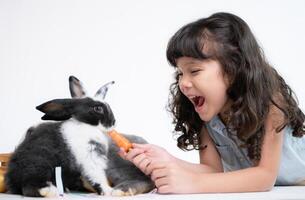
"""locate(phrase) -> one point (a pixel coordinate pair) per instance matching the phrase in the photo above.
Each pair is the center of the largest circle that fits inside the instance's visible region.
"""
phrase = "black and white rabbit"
(78, 143)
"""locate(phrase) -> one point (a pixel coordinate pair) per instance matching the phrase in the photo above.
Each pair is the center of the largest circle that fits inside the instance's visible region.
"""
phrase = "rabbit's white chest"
(87, 143)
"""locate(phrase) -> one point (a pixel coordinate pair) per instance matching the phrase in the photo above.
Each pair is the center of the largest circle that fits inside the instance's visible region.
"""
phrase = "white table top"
(277, 193)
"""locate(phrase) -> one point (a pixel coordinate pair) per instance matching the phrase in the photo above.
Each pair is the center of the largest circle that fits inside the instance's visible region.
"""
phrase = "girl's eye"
(195, 71)
(98, 109)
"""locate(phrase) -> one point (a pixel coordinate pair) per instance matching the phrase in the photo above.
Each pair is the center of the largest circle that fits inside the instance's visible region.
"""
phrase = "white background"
(43, 42)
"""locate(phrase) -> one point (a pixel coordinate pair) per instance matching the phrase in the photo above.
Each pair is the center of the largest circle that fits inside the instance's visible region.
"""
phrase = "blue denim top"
(292, 165)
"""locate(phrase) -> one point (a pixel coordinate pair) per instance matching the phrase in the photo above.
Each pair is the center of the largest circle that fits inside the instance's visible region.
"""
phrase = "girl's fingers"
(153, 166)
(140, 146)
(158, 173)
(144, 163)
(133, 153)
(164, 189)
(161, 182)
(122, 153)
(138, 159)
(149, 169)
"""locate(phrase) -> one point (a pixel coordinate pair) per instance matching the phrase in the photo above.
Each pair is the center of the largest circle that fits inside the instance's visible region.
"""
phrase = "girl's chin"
(205, 117)
(203, 114)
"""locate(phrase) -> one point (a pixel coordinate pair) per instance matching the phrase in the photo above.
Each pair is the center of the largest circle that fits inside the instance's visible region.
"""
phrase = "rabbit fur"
(77, 141)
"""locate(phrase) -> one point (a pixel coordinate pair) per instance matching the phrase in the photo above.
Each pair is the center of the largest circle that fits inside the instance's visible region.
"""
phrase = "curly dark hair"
(254, 85)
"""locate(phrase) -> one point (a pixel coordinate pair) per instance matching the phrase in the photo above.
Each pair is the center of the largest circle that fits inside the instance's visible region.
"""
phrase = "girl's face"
(204, 84)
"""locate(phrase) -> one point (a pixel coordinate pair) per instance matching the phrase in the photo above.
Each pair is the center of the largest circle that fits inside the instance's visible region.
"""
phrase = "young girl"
(232, 106)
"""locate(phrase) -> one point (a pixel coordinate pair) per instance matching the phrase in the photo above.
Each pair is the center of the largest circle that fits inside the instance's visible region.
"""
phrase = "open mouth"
(198, 101)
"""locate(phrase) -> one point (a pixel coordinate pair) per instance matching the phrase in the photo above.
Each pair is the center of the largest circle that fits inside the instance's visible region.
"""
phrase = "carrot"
(120, 140)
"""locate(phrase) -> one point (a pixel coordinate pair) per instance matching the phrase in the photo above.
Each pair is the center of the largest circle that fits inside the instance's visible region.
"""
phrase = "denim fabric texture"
(234, 157)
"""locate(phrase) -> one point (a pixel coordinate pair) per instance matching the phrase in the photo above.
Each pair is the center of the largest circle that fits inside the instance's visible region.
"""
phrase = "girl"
(232, 106)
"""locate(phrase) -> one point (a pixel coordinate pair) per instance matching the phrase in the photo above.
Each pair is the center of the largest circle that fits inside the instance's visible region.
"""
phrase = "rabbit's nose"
(110, 120)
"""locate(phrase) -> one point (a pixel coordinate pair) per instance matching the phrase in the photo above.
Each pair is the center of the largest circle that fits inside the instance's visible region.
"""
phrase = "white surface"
(42, 42)
(58, 179)
(278, 193)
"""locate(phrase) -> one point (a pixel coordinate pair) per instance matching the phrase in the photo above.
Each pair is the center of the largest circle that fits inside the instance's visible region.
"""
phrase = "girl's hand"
(143, 154)
(165, 171)
(155, 154)
(136, 156)
(171, 178)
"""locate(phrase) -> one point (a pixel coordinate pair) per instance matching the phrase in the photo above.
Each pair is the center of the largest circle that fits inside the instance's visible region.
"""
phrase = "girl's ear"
(228, 81)
(57, 109)
(101, 93)
(76, 88)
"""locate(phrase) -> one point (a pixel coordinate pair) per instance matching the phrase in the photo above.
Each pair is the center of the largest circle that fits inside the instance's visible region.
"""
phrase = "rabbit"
(76, 140)
(124, 176)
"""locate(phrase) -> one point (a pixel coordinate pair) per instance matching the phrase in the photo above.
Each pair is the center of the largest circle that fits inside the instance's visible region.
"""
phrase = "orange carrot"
(120, 140)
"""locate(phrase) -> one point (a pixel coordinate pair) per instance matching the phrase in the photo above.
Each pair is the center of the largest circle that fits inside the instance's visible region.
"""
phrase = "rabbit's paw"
(126, 188)
(121, 192)
(132, 187)
(49, 191)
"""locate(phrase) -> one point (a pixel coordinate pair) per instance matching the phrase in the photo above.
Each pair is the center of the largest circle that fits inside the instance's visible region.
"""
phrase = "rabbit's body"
(49, 145)
(80, 145)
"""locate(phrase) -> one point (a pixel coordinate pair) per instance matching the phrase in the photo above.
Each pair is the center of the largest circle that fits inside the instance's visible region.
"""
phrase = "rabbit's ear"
(101, 93)
(57, 109)
(76, 88)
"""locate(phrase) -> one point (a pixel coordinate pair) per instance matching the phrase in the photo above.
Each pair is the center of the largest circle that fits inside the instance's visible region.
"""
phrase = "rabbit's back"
(44, 141)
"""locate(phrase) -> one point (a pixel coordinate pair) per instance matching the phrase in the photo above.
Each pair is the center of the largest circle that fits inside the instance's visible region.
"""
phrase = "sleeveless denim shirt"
(234, 157)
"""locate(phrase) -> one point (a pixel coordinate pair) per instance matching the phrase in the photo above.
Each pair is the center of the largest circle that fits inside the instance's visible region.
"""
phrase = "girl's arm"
(182, 177)
(210, 161)
(259, 178)
(145, 156)
(172, 179)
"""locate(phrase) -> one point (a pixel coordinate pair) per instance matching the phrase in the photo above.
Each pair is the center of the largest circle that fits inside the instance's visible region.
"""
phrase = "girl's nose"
(184, 84)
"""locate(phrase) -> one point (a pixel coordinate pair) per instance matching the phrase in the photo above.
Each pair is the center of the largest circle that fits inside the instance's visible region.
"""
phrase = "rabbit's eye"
(98, 109)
